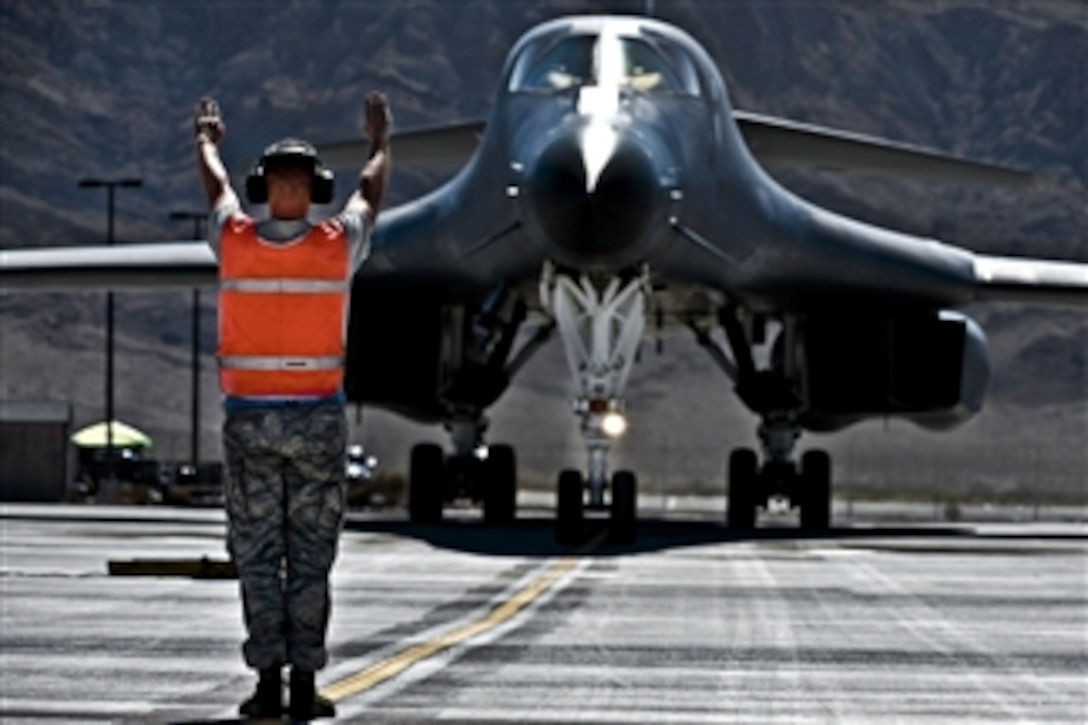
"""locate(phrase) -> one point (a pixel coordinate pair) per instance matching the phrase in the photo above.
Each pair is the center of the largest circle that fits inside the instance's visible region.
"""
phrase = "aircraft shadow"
(535, 537)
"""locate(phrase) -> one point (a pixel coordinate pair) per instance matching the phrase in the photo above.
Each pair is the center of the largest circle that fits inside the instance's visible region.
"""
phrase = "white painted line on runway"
(555, 575)
(78, 711)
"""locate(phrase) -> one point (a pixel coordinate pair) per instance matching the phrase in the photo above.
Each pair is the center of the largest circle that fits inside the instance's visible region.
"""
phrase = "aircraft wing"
(177, 265)
(773, 141)
(779, 141)
(1017, 279)
(452, 144)
(187, 264)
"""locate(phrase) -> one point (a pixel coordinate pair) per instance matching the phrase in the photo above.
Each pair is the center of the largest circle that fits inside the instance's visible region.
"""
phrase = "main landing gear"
(484, 475)
(601, 323)
(477, 361)
(775, 394)
(751, 487)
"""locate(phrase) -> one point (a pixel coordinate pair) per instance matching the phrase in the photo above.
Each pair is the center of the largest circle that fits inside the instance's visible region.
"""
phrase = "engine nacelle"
(929, 368)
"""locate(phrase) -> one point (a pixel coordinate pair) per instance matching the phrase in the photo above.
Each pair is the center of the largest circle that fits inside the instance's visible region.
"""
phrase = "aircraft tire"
(624, 507)
(501, 485)
(426, 483)
(816, 490)
(743, 481)
(570, 505)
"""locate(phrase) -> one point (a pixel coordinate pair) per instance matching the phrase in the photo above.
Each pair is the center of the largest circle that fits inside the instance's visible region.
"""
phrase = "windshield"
(584, 60)
(569, 63)
(644, 69)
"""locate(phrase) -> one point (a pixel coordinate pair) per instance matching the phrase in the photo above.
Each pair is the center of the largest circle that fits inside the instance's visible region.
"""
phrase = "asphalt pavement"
(877, 621)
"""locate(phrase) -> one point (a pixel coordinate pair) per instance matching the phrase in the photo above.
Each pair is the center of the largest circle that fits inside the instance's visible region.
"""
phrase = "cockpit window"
(582, 60)
(677, 59)
(645, 70)
(569, 63)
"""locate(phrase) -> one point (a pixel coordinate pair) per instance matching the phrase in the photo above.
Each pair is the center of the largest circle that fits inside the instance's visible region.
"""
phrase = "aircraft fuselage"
(613, 145)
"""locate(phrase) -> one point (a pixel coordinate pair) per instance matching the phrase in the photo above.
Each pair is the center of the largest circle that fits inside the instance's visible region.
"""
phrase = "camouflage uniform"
(285, 496)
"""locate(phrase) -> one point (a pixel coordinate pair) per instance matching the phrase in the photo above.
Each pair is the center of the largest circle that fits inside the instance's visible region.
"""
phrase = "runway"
(463, 623)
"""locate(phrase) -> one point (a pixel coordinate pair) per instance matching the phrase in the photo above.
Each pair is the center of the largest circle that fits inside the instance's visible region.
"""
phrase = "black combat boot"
(266, 703)
(306, 704)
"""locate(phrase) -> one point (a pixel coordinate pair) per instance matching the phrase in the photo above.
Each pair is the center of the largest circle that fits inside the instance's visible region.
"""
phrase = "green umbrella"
(124, 436)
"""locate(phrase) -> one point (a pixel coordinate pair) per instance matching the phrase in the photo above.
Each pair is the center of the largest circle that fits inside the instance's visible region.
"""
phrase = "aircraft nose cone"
(593, 203)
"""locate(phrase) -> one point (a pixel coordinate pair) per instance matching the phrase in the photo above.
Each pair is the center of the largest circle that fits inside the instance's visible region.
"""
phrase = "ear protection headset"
(290, 152)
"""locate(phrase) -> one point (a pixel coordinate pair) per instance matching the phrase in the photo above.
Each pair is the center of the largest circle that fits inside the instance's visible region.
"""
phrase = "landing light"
(614, 424)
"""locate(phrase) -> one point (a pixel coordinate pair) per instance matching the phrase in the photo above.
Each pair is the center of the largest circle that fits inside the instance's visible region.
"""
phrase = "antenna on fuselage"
(649, 8)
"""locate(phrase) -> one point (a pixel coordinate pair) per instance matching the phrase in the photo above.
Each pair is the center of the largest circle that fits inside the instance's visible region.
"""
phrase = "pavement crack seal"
(469, 634)
(202, 568)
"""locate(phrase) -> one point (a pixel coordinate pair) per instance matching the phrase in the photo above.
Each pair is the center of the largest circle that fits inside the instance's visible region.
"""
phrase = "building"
(35, 455)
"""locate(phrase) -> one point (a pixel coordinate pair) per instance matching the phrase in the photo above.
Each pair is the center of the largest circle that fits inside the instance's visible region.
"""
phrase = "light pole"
(198, 219)
(109, 185)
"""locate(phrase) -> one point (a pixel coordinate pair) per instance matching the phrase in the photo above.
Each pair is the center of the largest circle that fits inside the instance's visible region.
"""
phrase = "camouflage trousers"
(285, 498)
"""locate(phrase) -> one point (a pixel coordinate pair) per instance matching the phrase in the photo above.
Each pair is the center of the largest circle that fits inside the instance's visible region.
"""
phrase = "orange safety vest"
(282, 311)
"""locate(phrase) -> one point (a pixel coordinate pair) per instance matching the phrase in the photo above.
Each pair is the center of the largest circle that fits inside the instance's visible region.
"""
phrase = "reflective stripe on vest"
(270, 362)
(299, 286)
(282, 311)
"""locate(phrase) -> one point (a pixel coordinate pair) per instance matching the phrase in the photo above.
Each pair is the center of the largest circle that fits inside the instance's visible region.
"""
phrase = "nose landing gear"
(601, 323)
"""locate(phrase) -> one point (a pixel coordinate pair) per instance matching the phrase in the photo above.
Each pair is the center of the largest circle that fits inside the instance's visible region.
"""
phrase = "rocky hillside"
(104, 87)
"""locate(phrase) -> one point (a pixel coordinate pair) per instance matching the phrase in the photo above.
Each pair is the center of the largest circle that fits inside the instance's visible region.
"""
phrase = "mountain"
(106, 88)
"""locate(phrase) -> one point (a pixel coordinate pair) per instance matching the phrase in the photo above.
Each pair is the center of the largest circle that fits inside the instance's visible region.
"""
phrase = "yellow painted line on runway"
(395, 664)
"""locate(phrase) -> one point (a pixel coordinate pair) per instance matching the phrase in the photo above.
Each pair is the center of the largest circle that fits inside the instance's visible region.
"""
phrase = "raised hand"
(208, 121)
(378, 119)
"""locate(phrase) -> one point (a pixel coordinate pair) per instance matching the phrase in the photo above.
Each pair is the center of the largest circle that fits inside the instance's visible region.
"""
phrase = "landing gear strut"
(601, 322)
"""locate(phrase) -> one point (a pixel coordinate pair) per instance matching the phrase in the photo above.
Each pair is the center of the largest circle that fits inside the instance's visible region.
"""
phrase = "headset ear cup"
(256, 186)
(323, 188)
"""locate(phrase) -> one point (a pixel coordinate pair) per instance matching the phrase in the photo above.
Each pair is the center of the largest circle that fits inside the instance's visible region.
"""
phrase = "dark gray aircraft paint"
(613, 181)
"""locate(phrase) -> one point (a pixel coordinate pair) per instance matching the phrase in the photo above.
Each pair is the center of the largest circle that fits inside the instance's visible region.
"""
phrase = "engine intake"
(929, 368)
